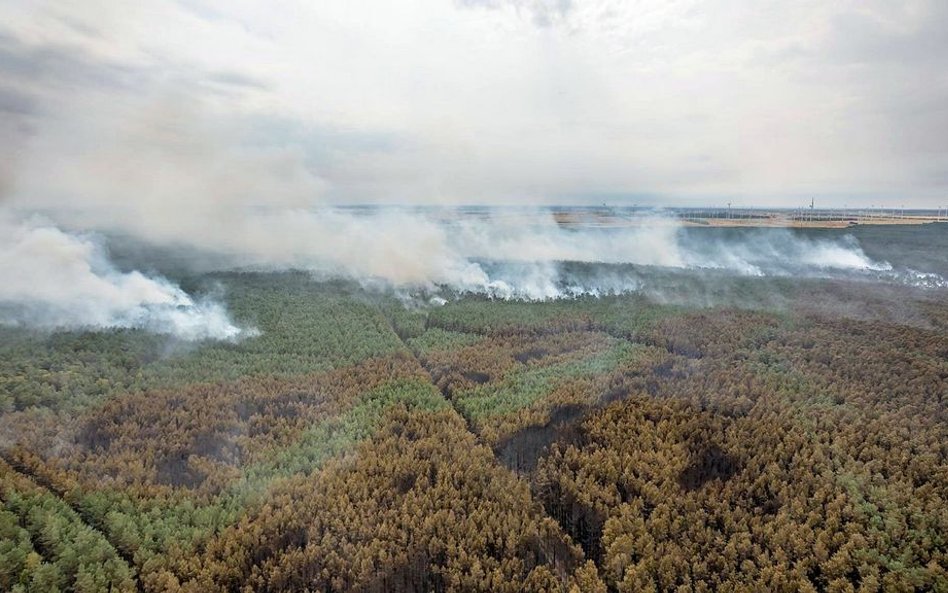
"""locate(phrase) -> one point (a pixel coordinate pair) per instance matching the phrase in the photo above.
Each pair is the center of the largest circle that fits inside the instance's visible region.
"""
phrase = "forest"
(363, 442)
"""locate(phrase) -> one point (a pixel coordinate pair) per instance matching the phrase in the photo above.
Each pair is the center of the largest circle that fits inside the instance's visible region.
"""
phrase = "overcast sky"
(763, 102)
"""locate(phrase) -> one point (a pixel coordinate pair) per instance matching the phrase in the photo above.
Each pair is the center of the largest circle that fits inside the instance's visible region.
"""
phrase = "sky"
(289, 103)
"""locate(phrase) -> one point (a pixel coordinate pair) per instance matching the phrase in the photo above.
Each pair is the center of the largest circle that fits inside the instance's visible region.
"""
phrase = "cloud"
(543, 13)
(507, 101)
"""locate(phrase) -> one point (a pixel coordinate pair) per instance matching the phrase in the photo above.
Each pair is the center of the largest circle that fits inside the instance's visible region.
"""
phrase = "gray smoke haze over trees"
(234, 133)
(55, 279)
(169, 180)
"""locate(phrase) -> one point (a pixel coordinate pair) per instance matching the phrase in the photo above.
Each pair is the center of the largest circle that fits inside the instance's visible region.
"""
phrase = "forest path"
(410, 350)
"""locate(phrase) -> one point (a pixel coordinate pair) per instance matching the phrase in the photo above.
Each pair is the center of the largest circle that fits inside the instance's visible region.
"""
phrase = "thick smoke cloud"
(502, 253)
(62, 278)
(161, 172)
(54, 279)
(173, 178)
(525, 258)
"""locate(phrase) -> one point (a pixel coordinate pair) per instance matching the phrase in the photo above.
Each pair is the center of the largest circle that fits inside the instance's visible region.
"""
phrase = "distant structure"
(805, 215)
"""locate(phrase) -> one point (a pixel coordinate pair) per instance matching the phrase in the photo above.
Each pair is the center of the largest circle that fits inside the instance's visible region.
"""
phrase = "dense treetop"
(365, 442)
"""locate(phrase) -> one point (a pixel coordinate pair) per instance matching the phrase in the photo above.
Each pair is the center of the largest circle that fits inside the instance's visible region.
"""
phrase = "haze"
(240, 131)
(473, 296)
(433, 101)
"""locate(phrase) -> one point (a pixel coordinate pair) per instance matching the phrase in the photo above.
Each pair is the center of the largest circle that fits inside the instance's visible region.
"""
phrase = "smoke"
(501, 253)
(164, 175)
(53, 279)
(768, 252)
(62, 278)
(527, 258)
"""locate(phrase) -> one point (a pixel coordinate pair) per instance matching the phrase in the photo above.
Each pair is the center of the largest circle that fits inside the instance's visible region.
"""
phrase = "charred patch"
(614, 395)
(246, 409)
(476, 377)
(532, 354)
(666, 370)
(521, 451)
(708, 463)
(217, 447)
(584, 524)
(548, 549)
(175, 471)
(418, 572)
(94, 436)
(405, 481)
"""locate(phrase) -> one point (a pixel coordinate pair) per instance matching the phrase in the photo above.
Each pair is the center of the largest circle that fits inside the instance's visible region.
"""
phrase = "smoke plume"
(172, 179)
(54, 279)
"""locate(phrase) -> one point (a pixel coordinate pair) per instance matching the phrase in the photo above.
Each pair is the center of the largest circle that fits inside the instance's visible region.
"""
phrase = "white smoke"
(768, 252)
(499, 255)
(161, 173)
(535, 236)
(54, 279)
(523, 259)
(502, 256)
